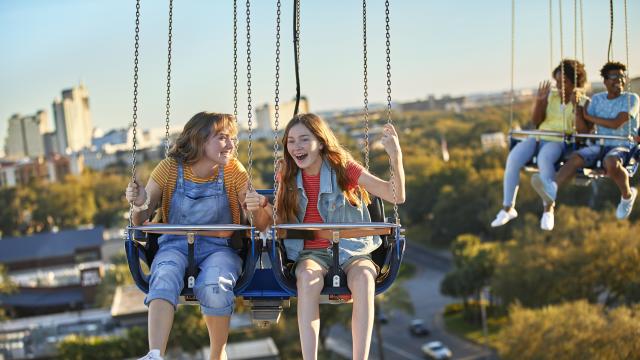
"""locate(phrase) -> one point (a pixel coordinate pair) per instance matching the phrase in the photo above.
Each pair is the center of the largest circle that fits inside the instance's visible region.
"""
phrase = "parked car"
(417, 327)
(382, 318)
(436, 350)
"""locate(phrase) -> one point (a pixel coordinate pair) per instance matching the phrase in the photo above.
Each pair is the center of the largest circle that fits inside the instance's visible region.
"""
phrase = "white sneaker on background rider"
(152, 355)
(547, 221)
(504, 217)
(626, 205)
(548, 190)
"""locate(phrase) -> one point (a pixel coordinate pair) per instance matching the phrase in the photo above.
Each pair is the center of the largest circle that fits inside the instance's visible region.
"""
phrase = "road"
(424, 289)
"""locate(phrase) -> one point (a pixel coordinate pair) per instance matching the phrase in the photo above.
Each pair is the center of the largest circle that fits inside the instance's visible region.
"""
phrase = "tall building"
(266, 114)
(25, 135)
(73, 120)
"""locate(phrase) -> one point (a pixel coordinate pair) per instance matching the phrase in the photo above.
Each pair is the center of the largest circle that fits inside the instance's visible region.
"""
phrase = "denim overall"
(333, 208)
(220, 266)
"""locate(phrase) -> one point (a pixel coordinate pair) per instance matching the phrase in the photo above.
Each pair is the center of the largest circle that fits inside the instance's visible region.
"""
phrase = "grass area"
(456, 324)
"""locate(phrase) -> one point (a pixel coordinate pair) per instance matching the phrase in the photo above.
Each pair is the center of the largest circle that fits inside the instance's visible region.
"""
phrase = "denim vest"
(333, 208)
(199, 204)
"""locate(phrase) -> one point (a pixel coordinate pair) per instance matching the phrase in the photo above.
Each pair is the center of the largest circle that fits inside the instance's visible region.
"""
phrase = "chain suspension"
(134, 123)
(610, 49)
(562, 97)
(627, 77)
(511, 75)
(276, 101)
(235, 72)
(249, 108)
(551, 36)
(366, 84)
(389, 121)
(168, 105)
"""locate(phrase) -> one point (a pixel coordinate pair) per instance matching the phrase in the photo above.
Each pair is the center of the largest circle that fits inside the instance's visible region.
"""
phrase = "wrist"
(142, 207)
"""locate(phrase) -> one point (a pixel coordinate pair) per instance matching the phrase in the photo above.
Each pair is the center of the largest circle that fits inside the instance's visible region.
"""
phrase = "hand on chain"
(390, 141)
(136, 193)
(254, 201)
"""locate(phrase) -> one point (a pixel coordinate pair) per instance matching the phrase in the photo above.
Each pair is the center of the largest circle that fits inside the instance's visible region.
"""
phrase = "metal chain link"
(298, 29)
(168, 105)
(511, 75)
(551, 35)
(627, 77)
(575, 65)
(276, 101)
(249, 108)
(134, 124)
(582, 31)
(389, 121)
(610, 49)
(366, 84)
(235, 72)
(562, 99)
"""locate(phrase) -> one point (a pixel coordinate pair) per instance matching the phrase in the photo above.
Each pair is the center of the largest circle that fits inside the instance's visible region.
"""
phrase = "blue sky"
(438, 47)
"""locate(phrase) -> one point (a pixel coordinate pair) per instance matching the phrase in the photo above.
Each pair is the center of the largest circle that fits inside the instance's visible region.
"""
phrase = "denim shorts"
(219, 267)
(324, 258)
(591, 154)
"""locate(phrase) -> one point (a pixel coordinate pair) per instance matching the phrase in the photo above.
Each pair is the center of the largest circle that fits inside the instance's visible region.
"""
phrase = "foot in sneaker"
(152, 355)
(504, 217)
(626, 205)
(547, 221)
(545, 188)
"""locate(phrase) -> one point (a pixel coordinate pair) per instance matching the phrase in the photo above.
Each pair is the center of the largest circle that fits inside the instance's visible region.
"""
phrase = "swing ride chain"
(298, 30)
(235, 71)
(388, 51)
(561, 90)
(168, 112)
(366, 85)
(249, 112)
(513, 35)
(551, 35)
(609, 50)
(629, 90)
(276, 114)
(135, 103)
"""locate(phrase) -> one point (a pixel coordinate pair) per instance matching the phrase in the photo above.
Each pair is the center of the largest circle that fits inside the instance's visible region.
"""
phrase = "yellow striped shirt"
(235, 180)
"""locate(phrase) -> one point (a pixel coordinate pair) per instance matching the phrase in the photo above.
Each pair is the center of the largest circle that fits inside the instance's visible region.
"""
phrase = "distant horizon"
(455, 48)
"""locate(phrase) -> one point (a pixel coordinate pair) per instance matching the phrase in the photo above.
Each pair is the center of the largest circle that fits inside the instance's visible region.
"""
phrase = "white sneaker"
(504, 217)
(152, 355)
(546, 189)
(626, 205)
(547, 221)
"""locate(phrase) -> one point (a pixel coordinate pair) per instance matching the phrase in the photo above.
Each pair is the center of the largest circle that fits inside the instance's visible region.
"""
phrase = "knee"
(214, 290)
(361, 276)
(166, 275)
(309, 280)
(611, 164)
(575, 161)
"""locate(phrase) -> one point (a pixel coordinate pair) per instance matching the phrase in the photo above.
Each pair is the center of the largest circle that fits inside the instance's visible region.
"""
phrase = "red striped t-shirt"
(311, 185)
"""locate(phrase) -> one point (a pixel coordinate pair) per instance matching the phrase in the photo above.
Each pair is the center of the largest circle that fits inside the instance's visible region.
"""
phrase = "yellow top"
(166, 175)
(554, 115)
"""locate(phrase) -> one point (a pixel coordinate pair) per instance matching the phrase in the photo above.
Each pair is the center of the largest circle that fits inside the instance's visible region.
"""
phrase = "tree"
(576, 330)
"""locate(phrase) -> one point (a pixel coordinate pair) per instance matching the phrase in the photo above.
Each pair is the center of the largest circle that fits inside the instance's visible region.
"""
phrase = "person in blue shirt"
(614, 112)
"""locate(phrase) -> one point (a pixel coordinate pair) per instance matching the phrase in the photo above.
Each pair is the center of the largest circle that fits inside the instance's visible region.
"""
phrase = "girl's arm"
(137, 195)
(259, 206)
(542, 99)
(385, 189)
(582, 126)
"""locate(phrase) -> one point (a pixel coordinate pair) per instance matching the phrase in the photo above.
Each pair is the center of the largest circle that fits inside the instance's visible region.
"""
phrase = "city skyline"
(437, 48)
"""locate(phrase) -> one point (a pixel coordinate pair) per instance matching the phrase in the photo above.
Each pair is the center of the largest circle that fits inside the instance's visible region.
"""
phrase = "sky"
(441, 47)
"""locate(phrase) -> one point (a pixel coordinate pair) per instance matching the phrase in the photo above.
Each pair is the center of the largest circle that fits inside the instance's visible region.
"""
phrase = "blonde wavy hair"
(189, 146)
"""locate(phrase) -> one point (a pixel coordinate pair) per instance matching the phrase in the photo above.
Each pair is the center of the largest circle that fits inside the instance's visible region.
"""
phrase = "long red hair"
(337, 156)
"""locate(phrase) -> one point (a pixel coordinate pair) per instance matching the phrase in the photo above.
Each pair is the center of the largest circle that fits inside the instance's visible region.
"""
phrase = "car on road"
(417, 327)
(382, 318)
(436, 350)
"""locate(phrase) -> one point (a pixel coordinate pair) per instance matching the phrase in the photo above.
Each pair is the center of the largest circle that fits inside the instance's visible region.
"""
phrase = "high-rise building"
(266, 118)
(25, 135)
(73, 120)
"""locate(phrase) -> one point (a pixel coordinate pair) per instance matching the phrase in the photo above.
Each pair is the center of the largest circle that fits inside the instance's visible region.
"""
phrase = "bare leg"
(619, 175)
(568, 170)
(361, 275)
(160, 321)
(218, 327)
(310, 280)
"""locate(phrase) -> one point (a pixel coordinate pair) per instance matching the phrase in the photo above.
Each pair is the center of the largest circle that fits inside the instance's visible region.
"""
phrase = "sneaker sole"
(538, 186)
